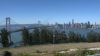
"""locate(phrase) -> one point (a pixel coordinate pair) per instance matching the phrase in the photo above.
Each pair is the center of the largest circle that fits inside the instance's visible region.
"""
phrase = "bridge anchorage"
(8, 28)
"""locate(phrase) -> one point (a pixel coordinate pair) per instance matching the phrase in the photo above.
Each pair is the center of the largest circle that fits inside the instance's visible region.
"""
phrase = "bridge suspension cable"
(12, 21)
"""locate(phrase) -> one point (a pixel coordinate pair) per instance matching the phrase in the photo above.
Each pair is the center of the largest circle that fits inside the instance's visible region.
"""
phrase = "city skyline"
(69, 25)
(61, 11)
(3, 22)
(73, 25)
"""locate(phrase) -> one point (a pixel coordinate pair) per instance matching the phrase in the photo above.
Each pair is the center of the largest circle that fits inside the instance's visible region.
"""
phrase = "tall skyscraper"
(48, 23)
(69, 23)
(81, 25)
(88, 24)
(64, 25)
(39, 22)
(56, 25)
(95, 25)
(72, 21)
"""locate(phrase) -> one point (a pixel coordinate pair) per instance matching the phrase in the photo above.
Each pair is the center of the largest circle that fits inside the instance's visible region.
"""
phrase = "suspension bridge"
(9, 21)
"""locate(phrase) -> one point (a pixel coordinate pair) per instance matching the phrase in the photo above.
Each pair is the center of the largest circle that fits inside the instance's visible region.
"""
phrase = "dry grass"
(49, 47)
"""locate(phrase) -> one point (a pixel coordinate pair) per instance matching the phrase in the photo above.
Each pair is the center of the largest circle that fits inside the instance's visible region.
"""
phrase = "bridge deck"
(26, 28)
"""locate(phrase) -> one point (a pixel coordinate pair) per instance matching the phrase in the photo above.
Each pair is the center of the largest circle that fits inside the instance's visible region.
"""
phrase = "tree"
(26, 38)
(50, 34)
(92, 36)
(44, 35)
(63, 37)
(49, 38)
(71, 35)
(30, 41)
(57, 37)
(77, 38)
(98, 37)
(84, 39)
(4, 38)
(36, 36)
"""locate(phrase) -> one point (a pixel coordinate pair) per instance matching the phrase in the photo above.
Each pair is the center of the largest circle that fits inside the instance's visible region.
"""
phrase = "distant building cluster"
(78, 25)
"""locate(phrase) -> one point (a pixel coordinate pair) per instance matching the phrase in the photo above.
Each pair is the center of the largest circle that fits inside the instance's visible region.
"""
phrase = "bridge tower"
(8, 28)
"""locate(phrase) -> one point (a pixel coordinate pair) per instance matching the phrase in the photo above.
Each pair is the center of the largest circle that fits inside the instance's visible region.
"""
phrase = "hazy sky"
(61, 11)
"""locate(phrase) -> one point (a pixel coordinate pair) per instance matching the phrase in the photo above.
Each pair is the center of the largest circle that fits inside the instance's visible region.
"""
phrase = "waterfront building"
(85, 25)
(81, 25)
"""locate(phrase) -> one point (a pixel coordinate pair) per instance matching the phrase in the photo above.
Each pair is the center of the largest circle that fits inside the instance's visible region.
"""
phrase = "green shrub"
(37, 51)
(45, 51)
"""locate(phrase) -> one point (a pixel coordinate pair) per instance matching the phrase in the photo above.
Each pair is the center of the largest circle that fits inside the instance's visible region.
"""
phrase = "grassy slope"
(49, 47)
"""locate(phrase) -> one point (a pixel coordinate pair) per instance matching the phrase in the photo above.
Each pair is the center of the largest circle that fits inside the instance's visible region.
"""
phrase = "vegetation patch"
(37, 51)
(59, 54)
(45, 51)
(23, 54)
(79, 53)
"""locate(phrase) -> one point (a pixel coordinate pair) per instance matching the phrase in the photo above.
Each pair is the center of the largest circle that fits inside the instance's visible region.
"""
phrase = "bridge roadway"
(19, 30)
(26, 28)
